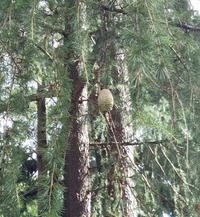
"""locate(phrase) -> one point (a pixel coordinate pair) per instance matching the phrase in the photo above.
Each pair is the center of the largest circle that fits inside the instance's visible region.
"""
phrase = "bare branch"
(31, 98)
(127, 143)
(187, 27)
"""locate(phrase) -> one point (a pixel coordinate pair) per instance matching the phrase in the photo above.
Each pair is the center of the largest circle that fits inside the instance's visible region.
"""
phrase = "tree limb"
(30, 98)
(187, 27)
(126, 143)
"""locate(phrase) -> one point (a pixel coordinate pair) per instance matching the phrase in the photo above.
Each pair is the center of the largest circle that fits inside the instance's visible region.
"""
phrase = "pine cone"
(105, 100)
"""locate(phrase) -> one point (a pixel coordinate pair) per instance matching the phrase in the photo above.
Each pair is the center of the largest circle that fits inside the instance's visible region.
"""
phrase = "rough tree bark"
(124, 133)
(130, 205)
(121, 114)
(42, 143)
(122, 119)
(76, 177)
(76, 169)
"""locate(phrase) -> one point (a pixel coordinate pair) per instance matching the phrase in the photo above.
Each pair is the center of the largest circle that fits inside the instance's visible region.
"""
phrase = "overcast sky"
(196, 4)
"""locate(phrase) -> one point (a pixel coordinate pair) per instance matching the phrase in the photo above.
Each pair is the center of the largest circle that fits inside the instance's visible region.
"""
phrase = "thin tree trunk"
(130, 205)
(42, 143)
(122, 119)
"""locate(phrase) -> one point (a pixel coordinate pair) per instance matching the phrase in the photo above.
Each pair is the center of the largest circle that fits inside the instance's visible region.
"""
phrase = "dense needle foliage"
(149, 48)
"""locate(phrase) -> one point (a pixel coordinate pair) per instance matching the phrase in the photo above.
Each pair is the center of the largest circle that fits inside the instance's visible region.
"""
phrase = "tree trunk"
(130, 205)
(42, 143)
(76, 177)
(76, 169)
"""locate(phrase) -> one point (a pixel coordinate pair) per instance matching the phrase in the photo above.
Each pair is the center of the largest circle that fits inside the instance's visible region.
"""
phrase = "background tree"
(54, 55)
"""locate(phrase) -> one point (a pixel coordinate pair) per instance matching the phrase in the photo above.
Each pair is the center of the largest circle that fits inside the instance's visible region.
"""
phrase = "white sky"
(196, 4)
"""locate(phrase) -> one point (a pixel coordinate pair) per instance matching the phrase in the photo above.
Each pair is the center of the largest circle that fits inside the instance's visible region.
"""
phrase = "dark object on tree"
(30, 193)
(29, 168)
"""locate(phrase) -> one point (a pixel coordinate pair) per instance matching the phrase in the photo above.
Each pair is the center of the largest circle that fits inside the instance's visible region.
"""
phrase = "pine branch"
(180, 59)
(156, 159)
(175, 169)
(19, 71)
(31, 98)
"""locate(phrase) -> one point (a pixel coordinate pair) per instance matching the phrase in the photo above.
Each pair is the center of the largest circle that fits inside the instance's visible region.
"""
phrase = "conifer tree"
(58, 155)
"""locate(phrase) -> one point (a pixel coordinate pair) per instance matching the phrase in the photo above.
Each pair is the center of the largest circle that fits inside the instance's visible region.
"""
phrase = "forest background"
(58, 155)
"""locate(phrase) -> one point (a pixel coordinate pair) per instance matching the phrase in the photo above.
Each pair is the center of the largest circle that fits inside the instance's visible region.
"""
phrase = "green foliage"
(159, 41)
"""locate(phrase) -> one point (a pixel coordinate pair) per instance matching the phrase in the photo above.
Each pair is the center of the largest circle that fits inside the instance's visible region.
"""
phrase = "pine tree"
(55, 55)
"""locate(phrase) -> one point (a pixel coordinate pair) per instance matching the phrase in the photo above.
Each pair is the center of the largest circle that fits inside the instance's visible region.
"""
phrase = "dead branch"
(127, 143)
(187, 27)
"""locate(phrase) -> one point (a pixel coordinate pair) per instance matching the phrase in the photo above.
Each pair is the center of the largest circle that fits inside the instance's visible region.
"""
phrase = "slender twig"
(108, 117)
(176, 169)
(174, 119)
(44, 51)
(51, 187)
(186, 128)
(180, 59)
(154, 82)
(156, 159)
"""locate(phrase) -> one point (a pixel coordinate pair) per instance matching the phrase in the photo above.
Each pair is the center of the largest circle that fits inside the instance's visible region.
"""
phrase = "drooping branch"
(51, 92)
(19, 71)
